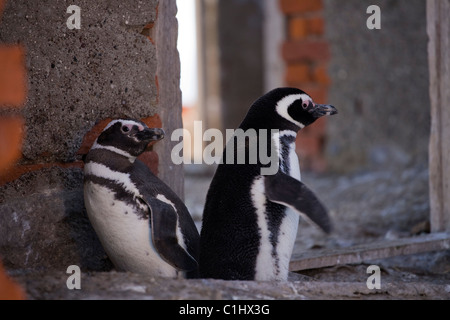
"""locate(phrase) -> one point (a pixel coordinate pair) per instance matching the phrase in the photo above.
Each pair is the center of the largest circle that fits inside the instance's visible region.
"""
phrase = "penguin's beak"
(150, 134)
(321, 110)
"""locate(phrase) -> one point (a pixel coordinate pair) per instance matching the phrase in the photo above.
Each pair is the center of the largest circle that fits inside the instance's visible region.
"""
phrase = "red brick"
(11, 136)
(297, 73)
(17, 171)
(316, 26)
(318, 128)
(298, 28)
(310, 153)
(317, 92)
(306, 51)
(2, 4)
(12, 76)
(308, 145)
(320, 74)
(91, 136)
(300, 6)
(9, 290)
(315, 130)
(153, 121)
(151, 159)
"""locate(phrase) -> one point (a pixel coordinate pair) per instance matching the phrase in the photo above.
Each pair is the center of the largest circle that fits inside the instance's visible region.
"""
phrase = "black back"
(230, 237)
(131, 138)
(229, 241)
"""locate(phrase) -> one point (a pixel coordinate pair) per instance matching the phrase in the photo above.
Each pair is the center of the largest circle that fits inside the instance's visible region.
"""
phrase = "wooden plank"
(371, 251)
(438, 27)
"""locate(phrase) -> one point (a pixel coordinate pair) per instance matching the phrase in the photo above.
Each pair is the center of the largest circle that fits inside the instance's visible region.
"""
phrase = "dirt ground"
(365, 206)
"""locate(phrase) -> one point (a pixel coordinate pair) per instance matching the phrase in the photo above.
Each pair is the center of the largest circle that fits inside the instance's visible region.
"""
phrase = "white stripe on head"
(124, 122)
(284, 104)
(131, 123)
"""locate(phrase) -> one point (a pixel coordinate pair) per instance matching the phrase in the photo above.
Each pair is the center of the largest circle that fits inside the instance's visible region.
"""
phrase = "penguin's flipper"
(163, 224)
(283, 189)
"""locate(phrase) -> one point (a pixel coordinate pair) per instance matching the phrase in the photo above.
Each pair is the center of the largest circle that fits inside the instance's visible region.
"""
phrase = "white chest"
(273, 263)
(125, 236)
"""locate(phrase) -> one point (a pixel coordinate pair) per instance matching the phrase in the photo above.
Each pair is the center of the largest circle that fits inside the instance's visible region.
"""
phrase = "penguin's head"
(288, 108)
(129, 136)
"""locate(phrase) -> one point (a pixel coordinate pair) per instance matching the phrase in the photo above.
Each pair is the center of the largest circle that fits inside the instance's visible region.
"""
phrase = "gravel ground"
(344, 282)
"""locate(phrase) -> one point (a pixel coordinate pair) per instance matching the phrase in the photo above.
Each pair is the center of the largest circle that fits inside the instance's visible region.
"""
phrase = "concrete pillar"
(121, 62)
(274, 35)
(169, 93)
(240, 27)
(438, 22)
(209, 64)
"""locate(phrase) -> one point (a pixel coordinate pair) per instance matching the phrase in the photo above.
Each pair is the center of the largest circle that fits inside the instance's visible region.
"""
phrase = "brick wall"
(306, 54)
(12, 96)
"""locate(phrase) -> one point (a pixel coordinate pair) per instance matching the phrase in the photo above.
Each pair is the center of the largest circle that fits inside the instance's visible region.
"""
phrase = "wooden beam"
(369, 252)
(438, 25)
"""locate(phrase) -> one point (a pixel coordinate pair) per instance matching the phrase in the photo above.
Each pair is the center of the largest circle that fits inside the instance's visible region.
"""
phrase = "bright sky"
(187, 47)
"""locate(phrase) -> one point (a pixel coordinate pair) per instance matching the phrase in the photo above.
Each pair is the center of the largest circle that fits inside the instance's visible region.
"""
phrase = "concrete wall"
(274, 26)
(379, 84)
(122, 62)
(240, 28)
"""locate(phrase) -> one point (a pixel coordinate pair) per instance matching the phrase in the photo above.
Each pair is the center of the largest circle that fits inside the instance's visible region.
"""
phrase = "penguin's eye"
(307, 104)
(125, 129)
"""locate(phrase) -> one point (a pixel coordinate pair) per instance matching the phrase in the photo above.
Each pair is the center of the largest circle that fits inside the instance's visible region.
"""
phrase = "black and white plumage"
(250, 220)
(142, 224)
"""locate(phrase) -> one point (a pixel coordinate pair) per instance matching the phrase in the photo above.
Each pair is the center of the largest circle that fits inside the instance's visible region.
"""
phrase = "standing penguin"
(250, 220)
(142, 224)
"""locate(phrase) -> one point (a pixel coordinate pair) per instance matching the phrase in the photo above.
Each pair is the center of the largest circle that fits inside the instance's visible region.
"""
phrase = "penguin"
(142, 224)
(250, 219)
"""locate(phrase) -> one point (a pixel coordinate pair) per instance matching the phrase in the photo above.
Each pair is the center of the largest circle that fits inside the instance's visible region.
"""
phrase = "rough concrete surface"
(114, 285)
(380, 84)
(51, 227)
(77, 77)
(169, 103)
(245, 32)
